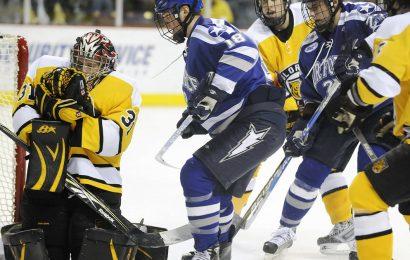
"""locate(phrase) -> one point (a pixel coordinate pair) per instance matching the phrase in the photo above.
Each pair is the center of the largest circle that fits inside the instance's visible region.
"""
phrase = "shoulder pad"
(258, 31)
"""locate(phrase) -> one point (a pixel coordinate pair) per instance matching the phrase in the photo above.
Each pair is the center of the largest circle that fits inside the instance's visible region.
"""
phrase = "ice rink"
(152, 191)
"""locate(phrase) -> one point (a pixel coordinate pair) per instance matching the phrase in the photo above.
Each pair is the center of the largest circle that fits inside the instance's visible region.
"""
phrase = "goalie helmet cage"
(13, 69)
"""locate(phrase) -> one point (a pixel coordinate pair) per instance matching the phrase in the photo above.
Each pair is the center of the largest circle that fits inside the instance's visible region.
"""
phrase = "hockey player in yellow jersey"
(385, 182)
(279, 33)
(100, 117)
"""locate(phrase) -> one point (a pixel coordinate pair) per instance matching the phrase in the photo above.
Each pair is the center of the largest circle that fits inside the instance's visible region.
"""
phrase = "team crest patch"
(311, 47)
(247, 143)
(380, 165)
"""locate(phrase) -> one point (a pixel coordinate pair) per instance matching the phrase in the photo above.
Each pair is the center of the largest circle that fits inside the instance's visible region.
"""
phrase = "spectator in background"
(222, 10)
(102, 9)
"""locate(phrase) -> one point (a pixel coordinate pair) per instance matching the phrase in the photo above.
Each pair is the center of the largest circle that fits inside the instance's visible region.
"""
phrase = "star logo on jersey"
(252, 138)
(365, 8)
(216, 31)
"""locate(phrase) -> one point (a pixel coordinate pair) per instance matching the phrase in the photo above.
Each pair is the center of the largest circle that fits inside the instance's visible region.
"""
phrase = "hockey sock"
(225, 218)
(372, 228)
(374, 236)
(298, 201)
(303, 191)
(203, 206)
(335, 196)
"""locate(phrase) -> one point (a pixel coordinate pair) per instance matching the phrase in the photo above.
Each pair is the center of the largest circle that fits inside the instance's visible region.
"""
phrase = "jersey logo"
(380, 165)
(311, 47)
(291, 79)
(247, 143)
(216, 31)
(45, 129)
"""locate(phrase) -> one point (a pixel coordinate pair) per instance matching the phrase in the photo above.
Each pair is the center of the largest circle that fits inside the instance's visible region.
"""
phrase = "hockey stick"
(263, 196)
(366, 146)
(118, 221)
(160, 155)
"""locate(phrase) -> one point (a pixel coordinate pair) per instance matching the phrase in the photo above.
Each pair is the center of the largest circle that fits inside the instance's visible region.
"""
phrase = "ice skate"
(339, 241)
(281, 239)
(209, 254)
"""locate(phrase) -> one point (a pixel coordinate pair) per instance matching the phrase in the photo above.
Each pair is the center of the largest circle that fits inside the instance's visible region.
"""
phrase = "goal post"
(13, 69)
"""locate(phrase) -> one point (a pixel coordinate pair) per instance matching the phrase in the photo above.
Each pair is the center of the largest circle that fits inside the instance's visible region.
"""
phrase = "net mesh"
(10, 77)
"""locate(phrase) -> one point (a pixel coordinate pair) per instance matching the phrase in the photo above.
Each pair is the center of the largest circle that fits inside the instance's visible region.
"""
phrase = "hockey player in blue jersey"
(231, 98)
(336, 26)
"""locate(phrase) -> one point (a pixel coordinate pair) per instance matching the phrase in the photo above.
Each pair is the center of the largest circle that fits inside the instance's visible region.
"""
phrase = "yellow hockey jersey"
(389, 74)
(281, 56)
(103, 140)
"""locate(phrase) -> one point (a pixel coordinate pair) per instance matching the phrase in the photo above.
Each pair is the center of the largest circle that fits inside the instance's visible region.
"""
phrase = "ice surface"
(152, 191)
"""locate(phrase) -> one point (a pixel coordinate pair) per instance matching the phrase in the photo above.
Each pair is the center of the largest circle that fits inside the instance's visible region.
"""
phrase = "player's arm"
(382, 79)
(109, 135)
(375, 84)
(238, 56)
(24, 109)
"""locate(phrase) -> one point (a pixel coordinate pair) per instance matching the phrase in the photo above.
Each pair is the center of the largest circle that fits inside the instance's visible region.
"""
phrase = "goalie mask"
(272, 12)
(94, 55)
(320, 14)
(168, 22)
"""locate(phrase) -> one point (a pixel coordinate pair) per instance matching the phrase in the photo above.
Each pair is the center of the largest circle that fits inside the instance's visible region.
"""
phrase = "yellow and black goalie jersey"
(102, 140)
(280, 51)
(389, 74)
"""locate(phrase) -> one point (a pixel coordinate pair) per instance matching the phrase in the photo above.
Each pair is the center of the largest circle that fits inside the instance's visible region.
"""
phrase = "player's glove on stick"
(346, 113)
(294, 146)
(194, 128)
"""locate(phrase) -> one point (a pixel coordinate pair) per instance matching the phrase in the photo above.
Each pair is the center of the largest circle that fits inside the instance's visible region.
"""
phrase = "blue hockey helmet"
(168, 20)
(320, 14)
(164, 5)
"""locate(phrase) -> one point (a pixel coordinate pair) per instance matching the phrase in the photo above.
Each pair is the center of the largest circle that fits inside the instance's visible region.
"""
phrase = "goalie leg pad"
(106, 245)
(48, 158)
(23, 244)
(48, 212)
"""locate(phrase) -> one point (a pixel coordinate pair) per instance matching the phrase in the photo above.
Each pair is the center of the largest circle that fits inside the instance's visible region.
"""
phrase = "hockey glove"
(206, 99)
(194, 128)
(384, 130)
(294, 146)
(347, 65)
(67, 110)
(68, 83)
(346, 114)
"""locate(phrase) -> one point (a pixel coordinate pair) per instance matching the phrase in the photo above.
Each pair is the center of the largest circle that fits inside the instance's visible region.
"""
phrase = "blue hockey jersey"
(319, 52)
(215, 45)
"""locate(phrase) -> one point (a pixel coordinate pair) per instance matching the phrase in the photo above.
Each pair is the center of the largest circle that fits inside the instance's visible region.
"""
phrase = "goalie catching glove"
(62, 95)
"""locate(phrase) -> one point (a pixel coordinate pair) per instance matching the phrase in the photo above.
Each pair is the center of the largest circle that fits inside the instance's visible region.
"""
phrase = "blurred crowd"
(102, 12)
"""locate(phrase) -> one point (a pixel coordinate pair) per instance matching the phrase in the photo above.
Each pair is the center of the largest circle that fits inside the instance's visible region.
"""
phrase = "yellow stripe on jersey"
(367, 95)
(99, 185)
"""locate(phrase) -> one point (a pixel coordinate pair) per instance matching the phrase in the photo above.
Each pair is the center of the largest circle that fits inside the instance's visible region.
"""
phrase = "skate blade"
(276, 256)
(335, 249)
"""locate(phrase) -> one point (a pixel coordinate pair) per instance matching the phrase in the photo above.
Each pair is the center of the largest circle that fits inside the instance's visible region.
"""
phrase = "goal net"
(13, 69)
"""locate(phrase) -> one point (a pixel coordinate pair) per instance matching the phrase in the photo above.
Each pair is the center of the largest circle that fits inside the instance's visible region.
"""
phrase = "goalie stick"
(151, 240)
(263, 196)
